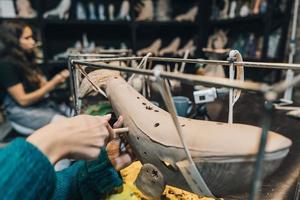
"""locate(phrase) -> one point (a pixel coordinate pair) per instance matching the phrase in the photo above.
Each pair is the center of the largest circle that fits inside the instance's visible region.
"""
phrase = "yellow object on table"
(130, 191)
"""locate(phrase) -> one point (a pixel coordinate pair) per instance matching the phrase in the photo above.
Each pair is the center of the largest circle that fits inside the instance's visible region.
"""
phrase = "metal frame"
(290, 74)
(107, 54)
(270, 92)
(284, 66)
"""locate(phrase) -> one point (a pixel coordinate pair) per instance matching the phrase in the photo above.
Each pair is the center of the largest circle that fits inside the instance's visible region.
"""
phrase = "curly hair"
(11, 51)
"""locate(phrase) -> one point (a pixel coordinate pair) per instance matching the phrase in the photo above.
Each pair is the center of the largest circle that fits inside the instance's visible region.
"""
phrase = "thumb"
(112, 134)
(106, 117)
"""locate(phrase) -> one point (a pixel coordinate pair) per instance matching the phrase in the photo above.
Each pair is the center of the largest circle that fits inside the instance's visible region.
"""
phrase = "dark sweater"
(11, 75)
(26, 173)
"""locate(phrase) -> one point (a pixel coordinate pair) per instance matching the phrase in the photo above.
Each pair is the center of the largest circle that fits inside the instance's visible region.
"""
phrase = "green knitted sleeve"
(25, 172)
(87, 180)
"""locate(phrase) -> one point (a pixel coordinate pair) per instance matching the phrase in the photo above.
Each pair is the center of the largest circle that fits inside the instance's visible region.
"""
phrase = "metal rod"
(186, 78)
(104, 52)
(257, 173)
(231, 94)
(290, 74)
(96, 87)
(297, 191)
(264, 65)
(73, 81)
(199, 186)
(96, 55)
(114, 51)
(281, 87)
(160, 59)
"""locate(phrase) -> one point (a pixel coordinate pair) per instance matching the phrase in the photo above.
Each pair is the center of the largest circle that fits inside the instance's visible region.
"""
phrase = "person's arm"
(25, 172)
(79, 137)
(25, 99)
(87, 180)
(43, 80)
(93, 179)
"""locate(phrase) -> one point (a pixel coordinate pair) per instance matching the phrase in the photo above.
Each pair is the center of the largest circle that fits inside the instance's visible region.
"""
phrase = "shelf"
(238, 20)
(28, 20)
(85, 22)
(168, 23)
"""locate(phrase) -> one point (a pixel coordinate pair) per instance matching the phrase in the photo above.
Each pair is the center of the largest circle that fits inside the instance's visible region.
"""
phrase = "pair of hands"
(60, 77)
(81, 138)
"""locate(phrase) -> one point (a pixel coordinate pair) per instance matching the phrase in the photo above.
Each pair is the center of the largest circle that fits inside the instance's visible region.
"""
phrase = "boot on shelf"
(146, 11)
(163, 10)
(232, 10)
(101, 12)
(189, 16)
(256, 8)
(111, 12)
(172, 48)
(190, 46)
(224, 11)
(92, 11)
(62, 10)
(153, 48)
(80, 12)
(24, 9)
(124, 11)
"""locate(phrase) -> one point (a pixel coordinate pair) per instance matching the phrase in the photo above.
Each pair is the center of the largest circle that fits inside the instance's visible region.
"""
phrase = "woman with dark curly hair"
(23, 87)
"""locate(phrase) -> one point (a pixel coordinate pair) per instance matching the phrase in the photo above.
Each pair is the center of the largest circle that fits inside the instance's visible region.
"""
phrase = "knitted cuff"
(98, 178)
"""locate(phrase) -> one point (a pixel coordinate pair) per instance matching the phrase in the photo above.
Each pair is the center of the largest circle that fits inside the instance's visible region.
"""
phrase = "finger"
(119, 122)
(112, 134)
(113, 149)
(106, 117)
(122, 161)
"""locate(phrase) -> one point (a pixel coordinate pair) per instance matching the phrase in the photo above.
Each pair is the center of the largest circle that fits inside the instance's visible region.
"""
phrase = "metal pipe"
(95, 55)
(186, 78)
(72, 70)
(198, 184)
(114, 51)
(231, 95)
(297, 191)
(290, 73)
(257, 173)
(281, 87)
(264, 65)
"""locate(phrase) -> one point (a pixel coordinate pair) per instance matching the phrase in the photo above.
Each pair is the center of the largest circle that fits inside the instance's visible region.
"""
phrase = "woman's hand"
(60, 77)
(80, 137)
(118, 159)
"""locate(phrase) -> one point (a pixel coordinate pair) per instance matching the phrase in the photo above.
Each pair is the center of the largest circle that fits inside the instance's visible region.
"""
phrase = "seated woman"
(23, 86)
